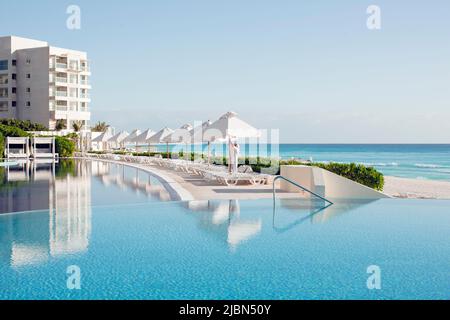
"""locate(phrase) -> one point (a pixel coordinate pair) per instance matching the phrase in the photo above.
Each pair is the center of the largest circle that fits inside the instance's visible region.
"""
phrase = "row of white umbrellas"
(227, 126)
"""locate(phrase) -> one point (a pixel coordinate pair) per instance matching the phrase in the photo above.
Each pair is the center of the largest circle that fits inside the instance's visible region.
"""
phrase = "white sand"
(416, 188)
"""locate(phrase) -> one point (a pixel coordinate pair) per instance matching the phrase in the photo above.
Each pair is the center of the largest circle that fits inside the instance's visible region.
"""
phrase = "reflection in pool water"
(109, 221)
(55, 202)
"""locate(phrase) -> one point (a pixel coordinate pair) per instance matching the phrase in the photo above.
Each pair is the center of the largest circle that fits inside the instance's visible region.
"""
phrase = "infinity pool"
(131, 246)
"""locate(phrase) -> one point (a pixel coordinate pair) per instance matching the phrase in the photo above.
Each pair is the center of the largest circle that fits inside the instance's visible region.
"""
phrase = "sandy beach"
(416, 188)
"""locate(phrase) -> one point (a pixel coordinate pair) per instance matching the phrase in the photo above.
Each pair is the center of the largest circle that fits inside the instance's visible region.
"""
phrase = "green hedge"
(64, 147)
(2, 145)
(25, 125)
(367, 176)
(8, 131)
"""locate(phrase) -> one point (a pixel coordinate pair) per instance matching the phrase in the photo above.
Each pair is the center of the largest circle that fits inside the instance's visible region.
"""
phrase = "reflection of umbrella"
(221, 213)
(198, 205)
(242, 231)
(118, 138)
(229, 126)
(180, 135)
(160, 136)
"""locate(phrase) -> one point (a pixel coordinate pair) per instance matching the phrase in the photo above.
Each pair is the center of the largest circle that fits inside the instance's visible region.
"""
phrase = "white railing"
(60, 79)
(61, 65)
(61, 94)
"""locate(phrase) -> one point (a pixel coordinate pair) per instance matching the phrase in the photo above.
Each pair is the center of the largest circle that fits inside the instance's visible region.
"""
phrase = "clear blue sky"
(310, 68)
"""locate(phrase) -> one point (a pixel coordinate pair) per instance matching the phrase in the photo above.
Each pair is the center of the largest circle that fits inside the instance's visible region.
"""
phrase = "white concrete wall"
(326, 183)
(38, 69)
(40, 53)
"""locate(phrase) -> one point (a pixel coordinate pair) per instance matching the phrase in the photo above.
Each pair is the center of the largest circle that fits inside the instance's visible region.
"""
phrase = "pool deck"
(190, 187)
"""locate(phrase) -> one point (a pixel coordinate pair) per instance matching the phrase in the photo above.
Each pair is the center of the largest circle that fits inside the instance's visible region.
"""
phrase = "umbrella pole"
(229, 154)
(209, 152)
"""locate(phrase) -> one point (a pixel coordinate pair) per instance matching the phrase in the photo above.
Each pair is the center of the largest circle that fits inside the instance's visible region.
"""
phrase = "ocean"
(417, 161)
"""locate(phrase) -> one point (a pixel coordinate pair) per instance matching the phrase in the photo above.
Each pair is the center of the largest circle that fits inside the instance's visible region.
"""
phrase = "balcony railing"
(61, 94)
(61, 108)
(84, 82)
(84, 95)
(61, 65)
(61, 80)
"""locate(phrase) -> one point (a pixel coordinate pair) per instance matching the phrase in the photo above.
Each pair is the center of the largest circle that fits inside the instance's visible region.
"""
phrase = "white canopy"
(159, 136)
(144, 136)
(180, 135)
(197, 133)
(132, 136)
(119, 137)
(104, 137)
(229, 125)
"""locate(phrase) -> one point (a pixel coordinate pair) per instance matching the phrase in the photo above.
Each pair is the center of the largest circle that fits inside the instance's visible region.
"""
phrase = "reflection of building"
(60, 218)
(70, 212)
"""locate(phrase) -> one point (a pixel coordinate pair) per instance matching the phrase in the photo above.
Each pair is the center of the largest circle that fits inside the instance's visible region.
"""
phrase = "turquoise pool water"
(230, 250)
(111, 222)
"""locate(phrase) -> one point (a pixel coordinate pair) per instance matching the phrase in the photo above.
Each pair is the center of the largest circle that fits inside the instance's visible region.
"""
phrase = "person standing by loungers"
(234, 156)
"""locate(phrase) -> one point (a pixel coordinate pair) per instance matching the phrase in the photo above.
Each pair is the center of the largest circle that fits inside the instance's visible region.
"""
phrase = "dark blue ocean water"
(419, 161)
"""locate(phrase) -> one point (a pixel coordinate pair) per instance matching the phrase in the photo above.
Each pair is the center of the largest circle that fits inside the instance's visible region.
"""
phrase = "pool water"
(230, 250)
(129, 245)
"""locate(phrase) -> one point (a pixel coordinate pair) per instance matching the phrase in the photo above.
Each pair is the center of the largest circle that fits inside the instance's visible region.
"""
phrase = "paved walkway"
(190, 187)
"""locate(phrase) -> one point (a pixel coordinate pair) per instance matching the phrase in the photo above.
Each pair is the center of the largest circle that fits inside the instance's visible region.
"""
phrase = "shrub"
(2, 146)
(8, 131)
(367, 176)
(25, 125)
(64, 147)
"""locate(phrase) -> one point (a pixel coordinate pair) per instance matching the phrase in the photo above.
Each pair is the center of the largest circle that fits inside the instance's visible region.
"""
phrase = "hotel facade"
(43, 84)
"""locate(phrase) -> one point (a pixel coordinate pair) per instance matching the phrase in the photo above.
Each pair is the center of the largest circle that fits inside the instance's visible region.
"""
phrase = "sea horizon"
(414, 161)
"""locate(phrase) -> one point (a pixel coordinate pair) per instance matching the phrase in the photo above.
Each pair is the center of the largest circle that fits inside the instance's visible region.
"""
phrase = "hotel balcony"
(58, 95)
(85, 96)
(85, 84)
(61, 94)
(60, 81)
(72, 115)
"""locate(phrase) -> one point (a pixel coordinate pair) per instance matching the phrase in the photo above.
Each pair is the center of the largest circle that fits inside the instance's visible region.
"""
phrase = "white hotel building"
(43, 84)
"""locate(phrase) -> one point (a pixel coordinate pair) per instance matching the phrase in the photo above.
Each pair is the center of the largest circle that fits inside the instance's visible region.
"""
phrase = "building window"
(28, 104)
(14, 76)
(3, 65)
(3, 79)
(3, 92)
(14, 62)
(28, 61)
(28, 75)
(4, 106)
(28, 90)
(14, 104)
(14, 90)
